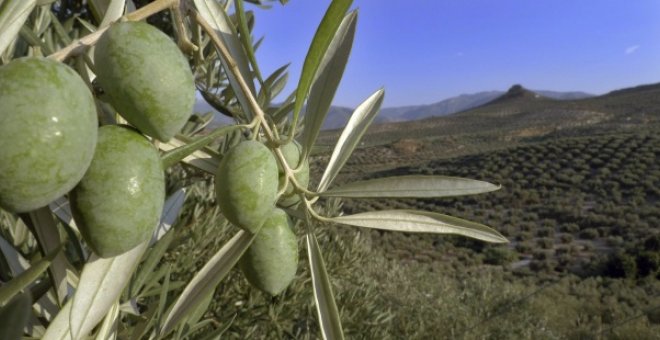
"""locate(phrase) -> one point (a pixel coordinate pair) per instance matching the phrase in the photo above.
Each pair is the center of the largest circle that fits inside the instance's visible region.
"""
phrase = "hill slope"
(521, 114)
(338, 115)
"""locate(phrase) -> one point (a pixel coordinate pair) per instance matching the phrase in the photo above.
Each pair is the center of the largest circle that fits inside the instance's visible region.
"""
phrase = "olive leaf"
(171, 208)
(206, 280)
(20, 282)
(13, 14)
(317, 49)
(245, 38)
(101, 282)
(357, 125)
(326, 80)
(182, 149)
(273, 85)
(325, 301)
(149, 264)
(108, 328)
(412, 186)
(16, 262)
(215, 15)
(61, 208)
(44, 227)
(102, 9)
(420, 222)
(14, 316)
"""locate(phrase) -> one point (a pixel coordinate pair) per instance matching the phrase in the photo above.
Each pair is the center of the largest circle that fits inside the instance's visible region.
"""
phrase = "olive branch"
(205, 31)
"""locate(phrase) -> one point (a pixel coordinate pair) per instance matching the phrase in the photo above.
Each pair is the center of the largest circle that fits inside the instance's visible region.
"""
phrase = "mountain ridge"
(339, 115)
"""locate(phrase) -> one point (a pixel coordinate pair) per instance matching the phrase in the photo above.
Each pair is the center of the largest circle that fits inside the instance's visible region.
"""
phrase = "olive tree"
(96, 107)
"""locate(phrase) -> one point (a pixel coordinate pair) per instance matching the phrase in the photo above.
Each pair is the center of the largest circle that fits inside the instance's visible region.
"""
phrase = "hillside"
(338, 115)
(521, 115)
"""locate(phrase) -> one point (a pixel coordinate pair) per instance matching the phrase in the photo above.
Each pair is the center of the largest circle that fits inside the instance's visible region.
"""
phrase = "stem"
(314, 214)
(184, 42)
(81, 44)
(233, 68)
(176, 155)
(252, 102)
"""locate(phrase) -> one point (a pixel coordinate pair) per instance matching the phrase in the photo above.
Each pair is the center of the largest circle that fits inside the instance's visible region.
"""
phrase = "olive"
(146, 78)
(292, 153)
(48, 128)
(271, 261)
(118, 202)
(246, 185)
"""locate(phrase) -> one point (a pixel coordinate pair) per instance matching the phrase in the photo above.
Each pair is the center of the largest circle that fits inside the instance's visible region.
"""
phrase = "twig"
(81, 44)
(252, 102)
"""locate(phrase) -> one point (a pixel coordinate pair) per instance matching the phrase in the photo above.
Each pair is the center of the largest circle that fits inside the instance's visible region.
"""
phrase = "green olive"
(118, 203)
(48, 128)
(146, 77)
(246, 185)
(292, 153)
(271, 261)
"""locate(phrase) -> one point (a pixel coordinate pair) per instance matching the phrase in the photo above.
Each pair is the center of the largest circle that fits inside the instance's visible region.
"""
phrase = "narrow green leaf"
(162, 298)
(13, 14)
(326, 80)
(149, 264)
(281, 112)
(246, 38)
(14, 316)
(325, 300)
(44, 227)
(20, 282)
(59, 29)
(101, 282)
(198, 312)
(277, 74)
(178, 150)
(206, 280)
(147, 319)
(215, 15)
(412, 186)
(58, 329)
(171, 209)
(356, 127)
(113, 11)
(269, 88)
(421, 222)
(108, 328)
(278, 86)
(320, 43)
(33, 39)
(87, 25)
(16, 262)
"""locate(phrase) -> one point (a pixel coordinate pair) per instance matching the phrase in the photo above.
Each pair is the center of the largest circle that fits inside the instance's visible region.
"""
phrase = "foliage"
(159, 289)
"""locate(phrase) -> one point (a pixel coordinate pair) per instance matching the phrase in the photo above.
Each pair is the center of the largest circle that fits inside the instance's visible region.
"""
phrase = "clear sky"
(423, 51)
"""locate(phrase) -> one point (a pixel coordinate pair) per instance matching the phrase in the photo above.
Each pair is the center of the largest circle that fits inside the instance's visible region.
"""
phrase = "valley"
(580, 204)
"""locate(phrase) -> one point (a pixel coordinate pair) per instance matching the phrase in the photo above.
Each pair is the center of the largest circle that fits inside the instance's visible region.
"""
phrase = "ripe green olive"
(271, 261)
(246, 185)
(48, 128)
(118, 202)
(292, 153)
(146, 77)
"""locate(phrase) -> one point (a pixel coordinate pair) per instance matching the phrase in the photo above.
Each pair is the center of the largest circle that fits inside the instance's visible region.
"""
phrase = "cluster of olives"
(51, 145)
(246, 185)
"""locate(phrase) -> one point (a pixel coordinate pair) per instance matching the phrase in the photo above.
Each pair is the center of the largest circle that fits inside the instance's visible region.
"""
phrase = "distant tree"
(621, 265)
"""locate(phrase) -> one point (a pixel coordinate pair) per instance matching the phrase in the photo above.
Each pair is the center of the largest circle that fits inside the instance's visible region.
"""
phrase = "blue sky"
(423, 51)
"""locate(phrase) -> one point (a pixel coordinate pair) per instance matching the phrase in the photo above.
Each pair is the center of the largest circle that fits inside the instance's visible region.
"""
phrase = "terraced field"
(567, 205)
